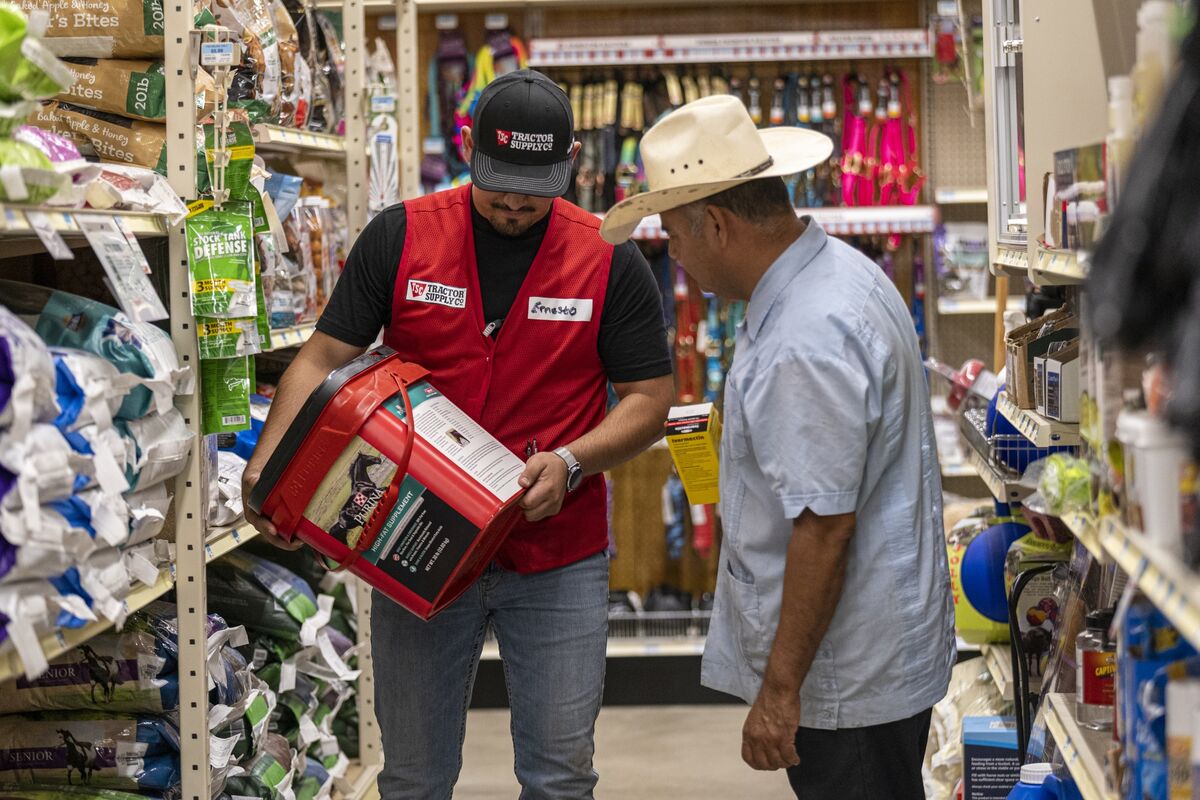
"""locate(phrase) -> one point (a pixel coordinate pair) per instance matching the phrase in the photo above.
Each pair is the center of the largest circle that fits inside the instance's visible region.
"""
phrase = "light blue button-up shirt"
(826, 408)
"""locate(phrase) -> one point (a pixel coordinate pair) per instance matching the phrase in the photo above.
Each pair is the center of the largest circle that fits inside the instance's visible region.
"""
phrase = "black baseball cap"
(523, 135)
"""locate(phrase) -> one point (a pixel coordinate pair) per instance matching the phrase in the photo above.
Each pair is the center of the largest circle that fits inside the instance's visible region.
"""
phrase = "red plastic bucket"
(417, 512)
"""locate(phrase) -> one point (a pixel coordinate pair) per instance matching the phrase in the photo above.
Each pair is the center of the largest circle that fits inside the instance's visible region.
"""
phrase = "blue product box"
(991, 766)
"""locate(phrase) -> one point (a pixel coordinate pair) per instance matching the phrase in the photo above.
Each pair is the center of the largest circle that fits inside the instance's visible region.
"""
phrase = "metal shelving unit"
(1057, 267)
(1002, 487)
(1172, 587)
(998, 658)
(15, 220)
(1083, 526)
(1010, 260)
(863, 221)
(1082, 749)
(283, 338)
(274, 139)
(960, 196)
(952, 306)
(1042, 431)
(605, 51)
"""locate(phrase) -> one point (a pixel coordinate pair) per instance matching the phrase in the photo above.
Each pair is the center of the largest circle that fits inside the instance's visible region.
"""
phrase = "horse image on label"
(104, 673)
(80, 758)
(364, 496)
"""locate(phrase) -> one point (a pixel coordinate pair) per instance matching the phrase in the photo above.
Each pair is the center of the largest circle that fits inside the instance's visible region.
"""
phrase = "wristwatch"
(574, 470)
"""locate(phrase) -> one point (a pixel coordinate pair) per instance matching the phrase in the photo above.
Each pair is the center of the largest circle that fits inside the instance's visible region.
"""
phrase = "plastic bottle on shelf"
(1030, 786)
(1154, 57)
(1095, 672)
(1118, 145)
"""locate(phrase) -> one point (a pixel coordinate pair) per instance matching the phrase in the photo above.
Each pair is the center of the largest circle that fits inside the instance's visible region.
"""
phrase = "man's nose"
(515, 201)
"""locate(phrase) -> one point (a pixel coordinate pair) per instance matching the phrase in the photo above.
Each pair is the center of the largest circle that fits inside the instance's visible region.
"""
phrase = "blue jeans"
(552, 628)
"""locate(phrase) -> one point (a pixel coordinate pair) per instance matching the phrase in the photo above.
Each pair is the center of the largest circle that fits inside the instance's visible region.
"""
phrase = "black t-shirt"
(632, 343)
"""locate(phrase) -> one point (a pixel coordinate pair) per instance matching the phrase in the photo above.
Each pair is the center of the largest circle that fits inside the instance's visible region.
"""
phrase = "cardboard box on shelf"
(1062, 384)
(1029, 341)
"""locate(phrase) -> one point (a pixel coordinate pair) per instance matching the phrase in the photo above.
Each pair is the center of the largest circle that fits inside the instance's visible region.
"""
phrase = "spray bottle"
(1119, 144)
(1154, 57)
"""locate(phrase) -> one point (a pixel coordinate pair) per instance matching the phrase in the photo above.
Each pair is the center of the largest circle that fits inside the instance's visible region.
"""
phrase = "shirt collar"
(795, 258)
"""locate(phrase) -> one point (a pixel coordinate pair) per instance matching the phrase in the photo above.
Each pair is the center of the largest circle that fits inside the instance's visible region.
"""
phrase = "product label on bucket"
(462, 440)
(423, 538)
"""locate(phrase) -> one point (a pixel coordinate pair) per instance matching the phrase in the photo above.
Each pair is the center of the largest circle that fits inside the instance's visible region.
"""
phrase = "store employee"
(523, 315)
(833, 613)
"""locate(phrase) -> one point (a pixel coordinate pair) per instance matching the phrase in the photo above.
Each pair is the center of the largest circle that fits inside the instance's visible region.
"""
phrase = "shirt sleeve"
(361, 303)
(633, 335)
(808, 419)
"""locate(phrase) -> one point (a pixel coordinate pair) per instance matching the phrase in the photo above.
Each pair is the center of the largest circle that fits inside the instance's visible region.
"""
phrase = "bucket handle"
(388, 501)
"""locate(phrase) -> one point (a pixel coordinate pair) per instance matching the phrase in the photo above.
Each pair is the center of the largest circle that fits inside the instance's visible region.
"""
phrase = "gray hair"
(762, 202)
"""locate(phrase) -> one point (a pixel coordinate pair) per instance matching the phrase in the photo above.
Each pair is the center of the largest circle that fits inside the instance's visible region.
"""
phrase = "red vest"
(540, 379)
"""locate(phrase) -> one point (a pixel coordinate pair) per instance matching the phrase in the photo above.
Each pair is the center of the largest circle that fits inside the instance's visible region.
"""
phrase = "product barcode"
(240, 419)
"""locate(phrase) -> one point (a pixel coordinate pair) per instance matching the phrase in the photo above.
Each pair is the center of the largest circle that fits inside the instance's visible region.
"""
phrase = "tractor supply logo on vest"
(516, 140)
(560, 308)
(436, 293)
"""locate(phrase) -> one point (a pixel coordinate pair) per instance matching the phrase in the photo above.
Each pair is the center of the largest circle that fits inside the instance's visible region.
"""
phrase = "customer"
(523, 315)
(833, 614)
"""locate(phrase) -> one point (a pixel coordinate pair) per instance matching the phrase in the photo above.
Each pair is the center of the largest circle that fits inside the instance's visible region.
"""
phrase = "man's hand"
(545, 481)
(260, 522)
(769, 735)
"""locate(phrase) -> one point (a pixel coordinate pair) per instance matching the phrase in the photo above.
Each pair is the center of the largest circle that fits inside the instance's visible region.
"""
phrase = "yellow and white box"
(694, 438)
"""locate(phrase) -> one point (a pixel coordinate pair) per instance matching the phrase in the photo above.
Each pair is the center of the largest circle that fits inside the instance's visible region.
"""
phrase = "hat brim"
(493, 175)
(792, 150)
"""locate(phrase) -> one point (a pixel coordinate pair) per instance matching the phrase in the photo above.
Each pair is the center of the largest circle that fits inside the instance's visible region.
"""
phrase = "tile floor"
(642, 753)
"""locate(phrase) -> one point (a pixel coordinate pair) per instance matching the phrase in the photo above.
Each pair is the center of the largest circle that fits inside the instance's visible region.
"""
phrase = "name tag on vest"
(561, 309)
(436, 293)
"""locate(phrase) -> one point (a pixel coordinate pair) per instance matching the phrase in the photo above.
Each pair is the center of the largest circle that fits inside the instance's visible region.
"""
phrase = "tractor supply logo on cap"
(531, 142)
(436, 293)
(560, 308)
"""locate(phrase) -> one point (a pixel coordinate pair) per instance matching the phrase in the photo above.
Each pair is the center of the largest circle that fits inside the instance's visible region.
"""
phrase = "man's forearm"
(812, 587)
(633, 425)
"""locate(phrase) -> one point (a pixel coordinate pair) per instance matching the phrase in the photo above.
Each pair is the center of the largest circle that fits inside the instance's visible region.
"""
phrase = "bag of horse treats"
(257, 80)
(111, 137)
(102, 28)
(135, 89)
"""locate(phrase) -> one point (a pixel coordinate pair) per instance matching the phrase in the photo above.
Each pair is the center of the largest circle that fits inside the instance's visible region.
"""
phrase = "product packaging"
(1030, 340)
(694, 439)
(239, 142)
(1095, 681)
(221, 261)
(104, 29)
(1155, 459)
(1038, 610)
(134, 89)
(991, 765)
(257, 81)
(225, 398)
(111, 137)
(1062, 383)
(454, 495)
(28, 70)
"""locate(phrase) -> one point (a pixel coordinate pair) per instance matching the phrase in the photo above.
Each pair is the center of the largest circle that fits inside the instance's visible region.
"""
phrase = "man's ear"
(468, 143)
(575, 147)
(722, 220)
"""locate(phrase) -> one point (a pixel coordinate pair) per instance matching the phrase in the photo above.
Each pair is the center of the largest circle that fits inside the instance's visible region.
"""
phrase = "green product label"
(221, 262)
(239, 142)
(225, 395)
(152, 17)
(146, 95)
(227, 338)
(268, 770)
(257, 712)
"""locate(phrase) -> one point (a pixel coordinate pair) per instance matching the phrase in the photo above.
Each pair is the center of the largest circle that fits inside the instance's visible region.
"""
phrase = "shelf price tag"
(125, 266)
(217, 54)
(55, 246)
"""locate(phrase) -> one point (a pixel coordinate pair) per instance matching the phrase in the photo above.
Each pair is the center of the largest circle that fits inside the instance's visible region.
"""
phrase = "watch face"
(574, 478)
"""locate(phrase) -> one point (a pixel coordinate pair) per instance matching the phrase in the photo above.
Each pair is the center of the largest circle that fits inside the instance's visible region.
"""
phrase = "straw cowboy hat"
(704, 148)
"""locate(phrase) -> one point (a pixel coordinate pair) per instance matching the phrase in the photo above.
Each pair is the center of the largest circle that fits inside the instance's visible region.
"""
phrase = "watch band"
(574, 469)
